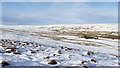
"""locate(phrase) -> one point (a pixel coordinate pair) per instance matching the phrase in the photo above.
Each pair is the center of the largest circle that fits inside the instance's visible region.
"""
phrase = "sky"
(48, 13)
(60, 0)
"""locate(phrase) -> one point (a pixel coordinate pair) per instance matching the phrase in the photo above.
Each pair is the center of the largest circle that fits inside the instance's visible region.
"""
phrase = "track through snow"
(38, 45)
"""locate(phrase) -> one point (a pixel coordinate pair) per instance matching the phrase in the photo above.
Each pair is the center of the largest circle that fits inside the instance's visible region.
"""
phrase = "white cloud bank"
(60, 0)
(66, 14)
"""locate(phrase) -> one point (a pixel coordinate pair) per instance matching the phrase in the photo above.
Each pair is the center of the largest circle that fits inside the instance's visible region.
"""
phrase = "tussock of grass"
(5, 63)
(52, 62)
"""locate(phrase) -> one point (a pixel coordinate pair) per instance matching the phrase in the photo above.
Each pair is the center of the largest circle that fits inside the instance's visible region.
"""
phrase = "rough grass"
(95, 34)
(107, 34)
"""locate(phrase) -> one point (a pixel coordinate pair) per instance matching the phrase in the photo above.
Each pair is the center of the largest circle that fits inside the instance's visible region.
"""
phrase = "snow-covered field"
(65, 44)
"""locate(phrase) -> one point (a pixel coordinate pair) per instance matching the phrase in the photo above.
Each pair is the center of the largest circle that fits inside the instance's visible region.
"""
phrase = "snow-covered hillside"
(67, 45)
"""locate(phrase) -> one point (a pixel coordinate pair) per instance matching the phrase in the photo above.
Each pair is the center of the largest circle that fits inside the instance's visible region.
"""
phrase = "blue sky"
(47, 13)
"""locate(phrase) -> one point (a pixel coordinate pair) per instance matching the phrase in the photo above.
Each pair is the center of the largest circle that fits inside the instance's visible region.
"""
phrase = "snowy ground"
(38, 45)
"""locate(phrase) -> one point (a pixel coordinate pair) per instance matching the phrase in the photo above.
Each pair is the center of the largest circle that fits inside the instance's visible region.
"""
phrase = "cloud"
(60, 0)
(64, 13)
(0, 13)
